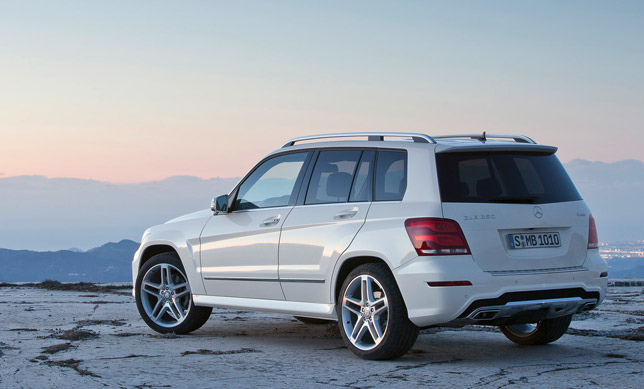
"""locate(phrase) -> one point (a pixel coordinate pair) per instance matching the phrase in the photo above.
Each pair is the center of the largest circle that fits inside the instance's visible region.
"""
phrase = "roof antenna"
(483, 138)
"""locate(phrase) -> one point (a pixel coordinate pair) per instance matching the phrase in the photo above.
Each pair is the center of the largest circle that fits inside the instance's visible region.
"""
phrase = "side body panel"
(384, 235)
(292, 308)
(183, 236)
(239, 253)
(313, 238)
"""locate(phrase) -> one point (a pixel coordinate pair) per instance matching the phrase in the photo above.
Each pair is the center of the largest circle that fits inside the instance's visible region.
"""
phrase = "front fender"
(184, 238)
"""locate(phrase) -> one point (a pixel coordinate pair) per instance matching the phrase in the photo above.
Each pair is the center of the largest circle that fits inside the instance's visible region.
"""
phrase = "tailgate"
(561, 234)
(519, 210)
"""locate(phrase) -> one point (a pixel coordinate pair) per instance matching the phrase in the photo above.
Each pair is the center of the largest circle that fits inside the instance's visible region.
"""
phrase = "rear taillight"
(593, 241)
(434, 236)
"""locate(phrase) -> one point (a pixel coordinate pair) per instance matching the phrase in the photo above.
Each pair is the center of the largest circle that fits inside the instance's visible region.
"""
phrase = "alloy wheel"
(165, 295)
(365, 312)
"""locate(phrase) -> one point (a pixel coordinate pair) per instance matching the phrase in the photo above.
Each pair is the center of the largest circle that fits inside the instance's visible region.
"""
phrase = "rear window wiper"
(514, 199)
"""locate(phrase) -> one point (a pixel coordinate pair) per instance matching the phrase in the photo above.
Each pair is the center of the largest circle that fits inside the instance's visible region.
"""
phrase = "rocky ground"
(90, 336)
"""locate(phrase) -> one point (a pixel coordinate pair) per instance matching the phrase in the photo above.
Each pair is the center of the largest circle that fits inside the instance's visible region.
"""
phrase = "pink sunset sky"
(132, 92)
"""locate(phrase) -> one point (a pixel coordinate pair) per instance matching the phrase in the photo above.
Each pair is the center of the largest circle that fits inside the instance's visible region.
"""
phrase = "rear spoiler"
(495, 147)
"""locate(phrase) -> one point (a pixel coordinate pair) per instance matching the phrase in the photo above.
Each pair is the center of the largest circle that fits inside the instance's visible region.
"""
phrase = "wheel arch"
(347, 266)
(189, 260)
(155, 249)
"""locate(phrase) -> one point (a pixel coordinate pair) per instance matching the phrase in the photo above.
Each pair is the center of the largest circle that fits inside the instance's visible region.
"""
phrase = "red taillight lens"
(434, 236)
(593, 241)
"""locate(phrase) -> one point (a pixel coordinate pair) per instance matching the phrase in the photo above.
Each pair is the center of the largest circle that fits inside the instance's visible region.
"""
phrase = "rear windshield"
(503, 177)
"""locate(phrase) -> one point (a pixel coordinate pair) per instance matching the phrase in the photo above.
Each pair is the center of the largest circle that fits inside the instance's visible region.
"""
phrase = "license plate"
(528, 241)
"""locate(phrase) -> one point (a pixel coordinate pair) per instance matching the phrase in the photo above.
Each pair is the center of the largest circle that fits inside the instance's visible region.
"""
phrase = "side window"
(391, 176)
(332, 176)
(272, 183)
(363, 183)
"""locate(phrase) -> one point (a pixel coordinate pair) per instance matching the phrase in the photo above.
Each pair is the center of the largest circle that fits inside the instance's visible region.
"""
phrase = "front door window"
(272, 183)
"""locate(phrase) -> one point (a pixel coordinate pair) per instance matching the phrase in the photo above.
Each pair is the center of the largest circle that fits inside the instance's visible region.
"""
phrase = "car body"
(466, 229)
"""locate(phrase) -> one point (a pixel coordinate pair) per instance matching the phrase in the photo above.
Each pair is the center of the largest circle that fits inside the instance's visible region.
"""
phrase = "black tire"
(310, 320)
(545, 331)
(194, 316)
(399, 333)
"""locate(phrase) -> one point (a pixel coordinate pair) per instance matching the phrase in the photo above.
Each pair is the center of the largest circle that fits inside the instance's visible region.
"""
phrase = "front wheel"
(542, 332)
(372, 315)
(163, 297)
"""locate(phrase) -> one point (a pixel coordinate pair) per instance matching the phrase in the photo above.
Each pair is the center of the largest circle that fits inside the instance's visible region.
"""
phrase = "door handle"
(271, 221)
(347, 213)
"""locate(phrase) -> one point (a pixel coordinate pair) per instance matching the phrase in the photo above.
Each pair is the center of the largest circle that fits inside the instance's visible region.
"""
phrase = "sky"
(128, 92)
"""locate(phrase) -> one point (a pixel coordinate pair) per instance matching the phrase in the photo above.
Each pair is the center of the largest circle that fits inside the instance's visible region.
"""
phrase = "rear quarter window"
(391, 176)
(503, 177)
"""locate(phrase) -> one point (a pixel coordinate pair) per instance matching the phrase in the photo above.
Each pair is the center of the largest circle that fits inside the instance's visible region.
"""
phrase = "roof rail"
(483, 137)
(372, 136)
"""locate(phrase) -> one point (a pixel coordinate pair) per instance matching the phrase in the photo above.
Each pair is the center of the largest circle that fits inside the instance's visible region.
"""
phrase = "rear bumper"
(500, 311)
(497, 299)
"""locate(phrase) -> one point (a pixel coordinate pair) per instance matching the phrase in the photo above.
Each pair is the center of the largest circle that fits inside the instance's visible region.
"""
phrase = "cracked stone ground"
(53, 338)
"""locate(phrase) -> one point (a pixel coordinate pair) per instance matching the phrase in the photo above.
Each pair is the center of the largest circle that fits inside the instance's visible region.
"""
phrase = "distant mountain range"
(107, 263)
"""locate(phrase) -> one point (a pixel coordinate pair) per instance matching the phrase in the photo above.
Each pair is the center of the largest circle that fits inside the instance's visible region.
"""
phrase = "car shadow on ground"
(482, 346)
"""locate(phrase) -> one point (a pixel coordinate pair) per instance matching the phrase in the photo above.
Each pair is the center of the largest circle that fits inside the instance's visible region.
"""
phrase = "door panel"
(239, 253)
(315, 234)
(313, 238)
(239, 250)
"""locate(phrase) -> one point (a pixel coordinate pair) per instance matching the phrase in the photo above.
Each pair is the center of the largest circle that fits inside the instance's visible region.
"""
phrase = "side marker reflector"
(449, 283)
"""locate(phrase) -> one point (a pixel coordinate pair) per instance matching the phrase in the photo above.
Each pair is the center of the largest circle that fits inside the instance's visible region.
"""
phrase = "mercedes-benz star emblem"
(537, 212)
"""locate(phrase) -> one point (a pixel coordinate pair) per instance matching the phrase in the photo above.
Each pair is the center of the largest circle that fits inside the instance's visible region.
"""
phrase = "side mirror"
(219, 204)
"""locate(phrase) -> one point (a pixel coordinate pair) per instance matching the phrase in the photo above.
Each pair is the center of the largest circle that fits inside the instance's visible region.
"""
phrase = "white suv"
(386, 235)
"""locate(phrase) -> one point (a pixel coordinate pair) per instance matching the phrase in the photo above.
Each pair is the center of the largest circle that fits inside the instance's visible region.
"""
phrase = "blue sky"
(132, 91)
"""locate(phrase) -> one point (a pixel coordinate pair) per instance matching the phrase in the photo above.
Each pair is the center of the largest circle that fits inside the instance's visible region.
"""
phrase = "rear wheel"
(373, 318)
(163, 297)
(542, 332)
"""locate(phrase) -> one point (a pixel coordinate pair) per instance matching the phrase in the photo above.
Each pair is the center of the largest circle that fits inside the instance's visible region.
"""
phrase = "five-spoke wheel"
(372, 315)
(163, 296)
(365, 312)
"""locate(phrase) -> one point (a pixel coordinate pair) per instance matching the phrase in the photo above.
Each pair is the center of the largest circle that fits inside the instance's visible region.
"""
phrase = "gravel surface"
(72, 338)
